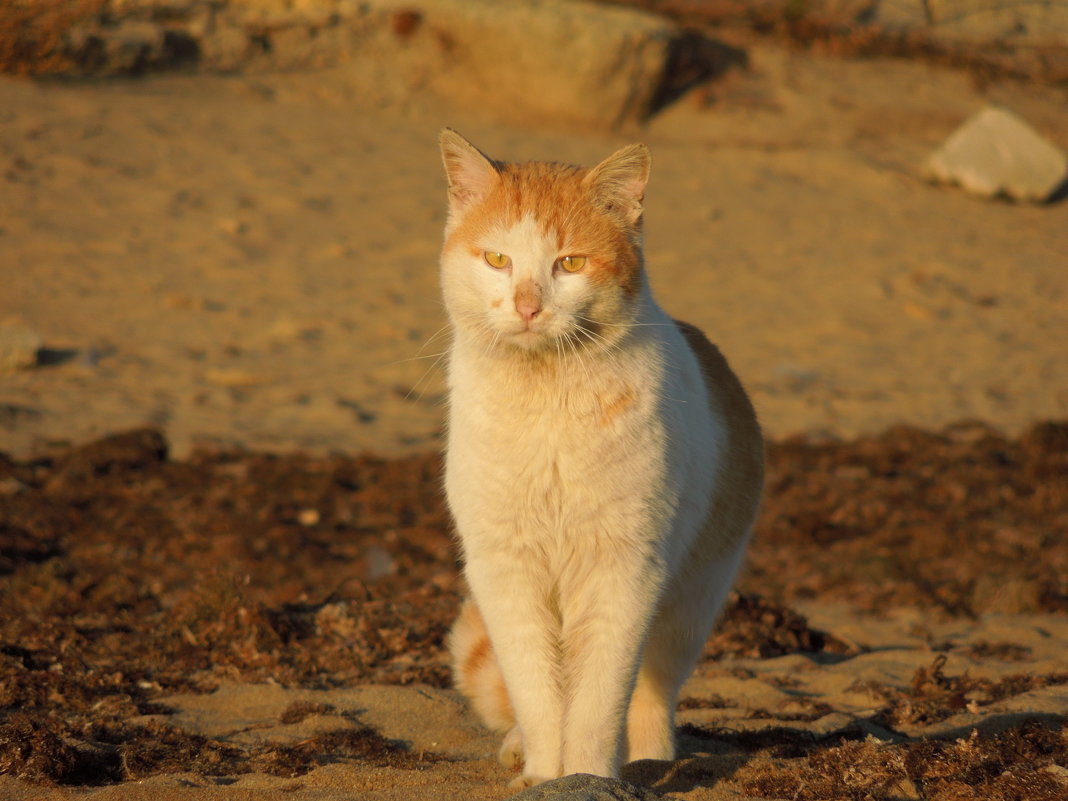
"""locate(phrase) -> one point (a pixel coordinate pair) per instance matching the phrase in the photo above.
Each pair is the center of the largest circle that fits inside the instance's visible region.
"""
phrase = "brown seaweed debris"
(753, 626)
(933, 696)
(1017, 764)
(126, 576)
(48, 751)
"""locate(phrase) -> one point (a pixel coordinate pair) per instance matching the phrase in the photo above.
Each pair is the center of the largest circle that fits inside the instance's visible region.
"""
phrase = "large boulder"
(575, 63)
(977, 21)
(572, 62)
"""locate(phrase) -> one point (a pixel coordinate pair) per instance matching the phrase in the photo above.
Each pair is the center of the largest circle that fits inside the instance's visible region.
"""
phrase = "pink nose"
(528, 309)
(528, 300)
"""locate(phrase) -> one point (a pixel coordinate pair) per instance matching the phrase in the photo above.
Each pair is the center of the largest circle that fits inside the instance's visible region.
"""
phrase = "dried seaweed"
(125, 576)
(934, 696)
(1010, 766)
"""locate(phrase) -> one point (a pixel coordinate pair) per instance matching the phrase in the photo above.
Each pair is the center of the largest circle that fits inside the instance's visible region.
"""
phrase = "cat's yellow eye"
(496, 260)
(572, 263)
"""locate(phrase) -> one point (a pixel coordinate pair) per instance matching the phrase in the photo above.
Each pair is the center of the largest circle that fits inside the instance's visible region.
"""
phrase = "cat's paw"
(511, 753)
(525, 780)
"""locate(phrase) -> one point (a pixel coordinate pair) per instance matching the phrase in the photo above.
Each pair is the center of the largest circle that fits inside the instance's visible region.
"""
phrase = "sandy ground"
(251, 260)
(764, 694)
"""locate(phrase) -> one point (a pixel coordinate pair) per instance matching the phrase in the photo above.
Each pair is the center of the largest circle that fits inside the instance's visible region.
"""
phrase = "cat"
(603, 465)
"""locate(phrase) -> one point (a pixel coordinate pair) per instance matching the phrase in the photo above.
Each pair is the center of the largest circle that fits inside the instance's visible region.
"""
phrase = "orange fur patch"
(614, 405)
(504, 703)
(554, 196)
(476, 658)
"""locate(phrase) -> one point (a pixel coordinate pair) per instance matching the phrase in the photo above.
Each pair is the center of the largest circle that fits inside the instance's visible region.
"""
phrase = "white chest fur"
(580, 452)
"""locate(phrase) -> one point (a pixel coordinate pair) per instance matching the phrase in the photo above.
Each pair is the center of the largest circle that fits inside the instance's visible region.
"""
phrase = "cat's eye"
(572, 263)
(496, 260)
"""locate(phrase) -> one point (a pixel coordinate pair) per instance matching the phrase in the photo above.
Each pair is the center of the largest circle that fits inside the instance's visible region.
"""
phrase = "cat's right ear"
(471, 173)
(618, 182)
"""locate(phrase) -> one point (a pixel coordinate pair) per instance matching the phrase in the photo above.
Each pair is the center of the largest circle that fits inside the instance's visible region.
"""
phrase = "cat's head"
(544, 258)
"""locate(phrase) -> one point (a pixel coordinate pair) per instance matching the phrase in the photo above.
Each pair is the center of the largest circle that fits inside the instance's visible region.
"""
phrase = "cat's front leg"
(514, 597)
(605, 620)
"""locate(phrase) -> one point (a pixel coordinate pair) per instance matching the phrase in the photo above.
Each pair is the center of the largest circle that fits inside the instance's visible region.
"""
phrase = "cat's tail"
(475, 671)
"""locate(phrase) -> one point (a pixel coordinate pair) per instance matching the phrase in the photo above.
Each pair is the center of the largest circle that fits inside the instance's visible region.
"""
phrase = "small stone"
(232, 226)
(995, 152)
(19, 346)
(232, 379)
(308, 517)
(1058, 772)
(584, 787)
(11, 486)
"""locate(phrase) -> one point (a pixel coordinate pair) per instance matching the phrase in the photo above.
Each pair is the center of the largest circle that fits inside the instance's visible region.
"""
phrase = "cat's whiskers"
(627, 325)
(443, 330)
(419, 358)
(426, 374)
(603, 344)
(579, 356)
(437, 357)
(489, 347)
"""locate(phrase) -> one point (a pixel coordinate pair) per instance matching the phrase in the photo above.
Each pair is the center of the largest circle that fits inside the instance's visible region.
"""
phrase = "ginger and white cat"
(604, 465)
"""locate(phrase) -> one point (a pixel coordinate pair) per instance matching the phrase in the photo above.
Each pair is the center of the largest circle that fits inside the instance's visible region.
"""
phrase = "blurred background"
(222, 217)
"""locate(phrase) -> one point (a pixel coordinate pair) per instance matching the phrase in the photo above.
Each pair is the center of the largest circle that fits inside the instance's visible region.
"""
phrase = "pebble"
(994, 153)
(19, 346)
(232, 379)
(584, 787)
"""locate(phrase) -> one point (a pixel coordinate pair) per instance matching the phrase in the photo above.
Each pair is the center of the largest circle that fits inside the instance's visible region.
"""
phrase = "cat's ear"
(618, 183)
(471, 173)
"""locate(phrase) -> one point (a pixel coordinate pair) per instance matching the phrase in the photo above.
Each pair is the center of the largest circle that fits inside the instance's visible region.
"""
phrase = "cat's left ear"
(618, 182)
(471, 173)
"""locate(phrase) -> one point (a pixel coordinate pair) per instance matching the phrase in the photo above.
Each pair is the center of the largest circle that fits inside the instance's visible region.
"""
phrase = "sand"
(251, 261)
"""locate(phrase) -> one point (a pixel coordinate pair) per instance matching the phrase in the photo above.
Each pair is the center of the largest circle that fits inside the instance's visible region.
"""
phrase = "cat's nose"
(528, 311)
(528, 300)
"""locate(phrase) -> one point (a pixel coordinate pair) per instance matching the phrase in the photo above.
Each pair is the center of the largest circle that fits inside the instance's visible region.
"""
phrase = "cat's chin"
(533, 343)
(530, 341)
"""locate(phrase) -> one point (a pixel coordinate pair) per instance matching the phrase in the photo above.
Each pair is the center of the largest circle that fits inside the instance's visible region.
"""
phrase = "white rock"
(18, 346)
(995, 152)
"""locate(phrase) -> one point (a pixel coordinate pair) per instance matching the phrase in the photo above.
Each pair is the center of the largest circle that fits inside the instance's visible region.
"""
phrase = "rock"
(1058, 772)
(18, 346)
(569, 63)
(970, 22)
(126, 47)
(134, 44)
(1021, 39)
(995, 152)
(584, 787)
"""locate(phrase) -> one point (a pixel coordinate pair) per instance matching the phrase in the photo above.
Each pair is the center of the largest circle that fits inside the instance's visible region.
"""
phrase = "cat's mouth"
(549, 339)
